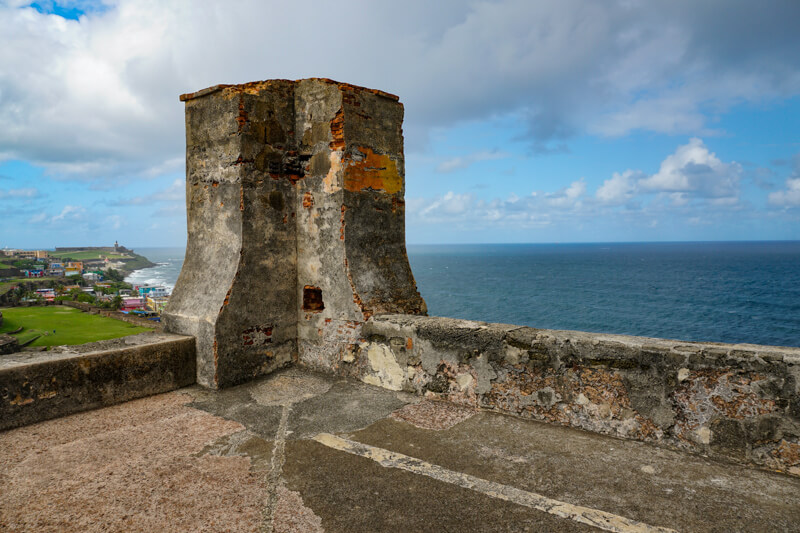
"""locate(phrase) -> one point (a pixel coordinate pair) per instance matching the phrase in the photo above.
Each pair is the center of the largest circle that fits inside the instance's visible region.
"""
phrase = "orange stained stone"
(375, 171)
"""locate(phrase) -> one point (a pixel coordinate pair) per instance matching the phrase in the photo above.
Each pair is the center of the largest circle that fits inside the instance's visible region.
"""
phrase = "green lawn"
(71, 325)
(84, 256)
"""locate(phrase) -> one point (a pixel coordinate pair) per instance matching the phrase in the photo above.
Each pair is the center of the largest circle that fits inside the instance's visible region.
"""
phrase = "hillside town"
(93, 275)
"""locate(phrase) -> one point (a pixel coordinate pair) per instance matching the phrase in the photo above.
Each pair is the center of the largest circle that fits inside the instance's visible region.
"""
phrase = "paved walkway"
(305, 452)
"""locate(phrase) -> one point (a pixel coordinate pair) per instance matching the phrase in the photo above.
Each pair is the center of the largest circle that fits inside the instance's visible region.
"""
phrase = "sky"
(525, 120)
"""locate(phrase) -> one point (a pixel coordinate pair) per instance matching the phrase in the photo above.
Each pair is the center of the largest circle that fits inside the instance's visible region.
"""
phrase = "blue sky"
(525, 121)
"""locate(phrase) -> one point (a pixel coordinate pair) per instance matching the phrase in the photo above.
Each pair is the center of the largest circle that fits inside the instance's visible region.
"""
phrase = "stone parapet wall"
(43, 385)
(737, 402)
(8, 344)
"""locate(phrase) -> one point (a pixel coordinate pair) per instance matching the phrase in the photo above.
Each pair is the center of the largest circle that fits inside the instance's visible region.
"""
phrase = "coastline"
(139, 262)
(164, 265)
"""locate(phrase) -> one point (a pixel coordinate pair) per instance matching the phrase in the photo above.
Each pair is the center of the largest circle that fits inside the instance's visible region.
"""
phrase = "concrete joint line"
(274, 479)
(584, 515)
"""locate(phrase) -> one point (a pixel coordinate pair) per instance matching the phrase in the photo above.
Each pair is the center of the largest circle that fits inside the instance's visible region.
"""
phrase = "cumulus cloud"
(96, 98)
(535, 210)
(692, 172)
(693, 168)
(568, 196)
(692, 186)
(620, 188)
(789, 196)
(450, 204)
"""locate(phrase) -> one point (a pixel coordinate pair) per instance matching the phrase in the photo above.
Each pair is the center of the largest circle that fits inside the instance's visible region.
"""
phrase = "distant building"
(34, 273)
(74, 268)
(55, 269)
(152, 290)
(132, 303)
(32, 254)
(48, 294)
(92, 276)
(156, 303)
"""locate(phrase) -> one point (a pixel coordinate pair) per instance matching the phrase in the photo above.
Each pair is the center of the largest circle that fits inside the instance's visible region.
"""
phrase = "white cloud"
(569, 196)
(535, 210)
(789, 197)
(620, 188)
(450, 204)
(69, 214)
(96, 99)
(692, 185)
(693, 168)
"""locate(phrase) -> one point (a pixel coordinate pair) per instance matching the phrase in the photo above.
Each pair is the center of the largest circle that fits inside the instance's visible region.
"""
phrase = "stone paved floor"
(305, 452)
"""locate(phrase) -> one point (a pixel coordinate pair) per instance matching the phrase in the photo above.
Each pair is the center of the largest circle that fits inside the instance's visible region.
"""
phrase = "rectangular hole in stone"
(312, 299)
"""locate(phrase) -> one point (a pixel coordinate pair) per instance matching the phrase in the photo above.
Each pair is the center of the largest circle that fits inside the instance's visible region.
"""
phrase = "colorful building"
(48, 294)
(132, 303)
(73, 269)
(152, 290)
(156, 303)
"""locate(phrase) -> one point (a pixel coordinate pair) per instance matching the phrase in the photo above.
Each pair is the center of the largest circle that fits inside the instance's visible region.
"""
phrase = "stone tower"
(296, 225)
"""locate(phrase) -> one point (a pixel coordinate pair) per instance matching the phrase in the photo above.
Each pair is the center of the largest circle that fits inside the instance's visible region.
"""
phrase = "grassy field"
(71, 326)
(87, 255)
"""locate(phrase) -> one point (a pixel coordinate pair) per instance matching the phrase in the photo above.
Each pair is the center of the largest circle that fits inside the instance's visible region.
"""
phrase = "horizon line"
(730, 241)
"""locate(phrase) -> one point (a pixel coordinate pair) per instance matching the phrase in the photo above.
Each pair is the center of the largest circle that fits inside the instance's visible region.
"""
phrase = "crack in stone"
(274, 478)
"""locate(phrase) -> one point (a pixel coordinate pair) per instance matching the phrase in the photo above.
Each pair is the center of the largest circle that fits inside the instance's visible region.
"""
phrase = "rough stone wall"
(43, 385)
(296, 225)
(352, 260)
(736, 402)
(8, 344)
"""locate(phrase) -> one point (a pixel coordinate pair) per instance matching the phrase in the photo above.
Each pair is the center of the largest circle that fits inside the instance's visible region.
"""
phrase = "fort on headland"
(296, 258)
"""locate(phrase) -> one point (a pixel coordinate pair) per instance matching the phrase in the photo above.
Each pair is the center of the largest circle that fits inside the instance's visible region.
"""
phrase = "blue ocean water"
(168, 265)
(719, 291)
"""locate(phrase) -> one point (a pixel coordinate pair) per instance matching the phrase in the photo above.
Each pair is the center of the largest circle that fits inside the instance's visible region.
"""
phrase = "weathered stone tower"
(296, 225)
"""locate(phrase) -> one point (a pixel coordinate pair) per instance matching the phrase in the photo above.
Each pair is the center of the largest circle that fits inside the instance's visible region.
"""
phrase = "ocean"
(717, 291)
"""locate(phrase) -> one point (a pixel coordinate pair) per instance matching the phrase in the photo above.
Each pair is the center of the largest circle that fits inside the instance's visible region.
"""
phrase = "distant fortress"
(115, 248)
